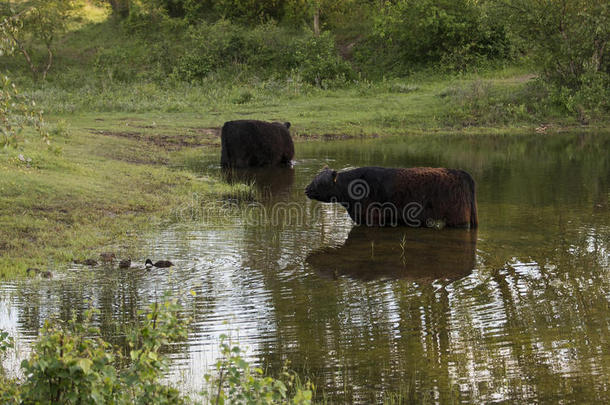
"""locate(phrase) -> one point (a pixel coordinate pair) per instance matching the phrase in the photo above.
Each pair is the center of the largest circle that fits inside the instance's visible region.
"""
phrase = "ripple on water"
(517, 312)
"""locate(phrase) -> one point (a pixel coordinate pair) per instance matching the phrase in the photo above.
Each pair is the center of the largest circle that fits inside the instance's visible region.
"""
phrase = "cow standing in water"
(251, 143)
(419, 196)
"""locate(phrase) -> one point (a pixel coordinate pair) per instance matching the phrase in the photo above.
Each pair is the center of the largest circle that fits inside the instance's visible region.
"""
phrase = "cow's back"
(446, 194)
(251, 143)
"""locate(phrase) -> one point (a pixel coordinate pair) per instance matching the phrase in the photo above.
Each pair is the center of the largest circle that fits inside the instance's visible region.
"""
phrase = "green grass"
(506, 101)
(98, 192)
(120, 163)
(120, 168)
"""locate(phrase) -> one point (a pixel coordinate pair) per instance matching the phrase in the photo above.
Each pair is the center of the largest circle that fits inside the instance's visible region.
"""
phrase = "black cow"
(251, 143)
(419, 196)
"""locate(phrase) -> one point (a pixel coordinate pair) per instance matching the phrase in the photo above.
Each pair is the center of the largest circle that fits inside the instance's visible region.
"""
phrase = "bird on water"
(160, 263)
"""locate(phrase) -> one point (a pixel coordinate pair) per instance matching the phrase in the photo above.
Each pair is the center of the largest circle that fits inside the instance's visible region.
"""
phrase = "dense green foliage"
(71, 364)
(243, 41)
(410, 34)
(265, 50)
(569, 41)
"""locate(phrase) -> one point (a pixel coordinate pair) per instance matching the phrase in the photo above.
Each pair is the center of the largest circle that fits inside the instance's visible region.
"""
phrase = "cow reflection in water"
(270, 183)
(419, 255)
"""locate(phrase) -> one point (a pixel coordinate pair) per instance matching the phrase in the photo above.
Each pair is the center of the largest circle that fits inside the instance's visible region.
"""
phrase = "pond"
(517, 310)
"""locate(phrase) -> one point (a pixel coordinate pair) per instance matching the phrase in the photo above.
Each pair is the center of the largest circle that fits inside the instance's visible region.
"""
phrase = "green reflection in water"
(515, 311)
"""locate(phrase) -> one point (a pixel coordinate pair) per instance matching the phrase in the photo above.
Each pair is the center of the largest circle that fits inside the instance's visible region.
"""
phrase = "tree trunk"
(120, 7)
(316, 21)
(49, 62)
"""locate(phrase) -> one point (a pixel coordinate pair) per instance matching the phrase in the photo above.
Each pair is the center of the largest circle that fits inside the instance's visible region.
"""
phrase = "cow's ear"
(335, 176)
(287, 125)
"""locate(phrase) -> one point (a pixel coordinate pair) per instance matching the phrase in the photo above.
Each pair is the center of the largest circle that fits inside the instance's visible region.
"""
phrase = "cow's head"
(324, 186)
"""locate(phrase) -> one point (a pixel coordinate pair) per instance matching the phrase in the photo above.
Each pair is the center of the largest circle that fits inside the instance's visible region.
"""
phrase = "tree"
(36, 24)
(569, 38)
(453, 34)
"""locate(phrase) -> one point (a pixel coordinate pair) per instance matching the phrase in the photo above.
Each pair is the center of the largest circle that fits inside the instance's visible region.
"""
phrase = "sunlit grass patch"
(91, 191)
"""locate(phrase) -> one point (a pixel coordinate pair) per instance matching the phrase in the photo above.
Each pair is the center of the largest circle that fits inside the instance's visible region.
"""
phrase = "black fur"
(419, 196)
(251, 143)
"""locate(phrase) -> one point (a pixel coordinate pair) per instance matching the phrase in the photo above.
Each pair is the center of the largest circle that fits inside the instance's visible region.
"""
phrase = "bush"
(68, 365)
(16, 113)
(569, 42)
(71, 364)
(239, 383)
(409, 34)
(318, 62)
(266, 50)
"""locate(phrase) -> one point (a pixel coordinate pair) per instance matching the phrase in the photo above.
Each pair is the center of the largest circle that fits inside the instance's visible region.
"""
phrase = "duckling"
(160, 263)
(125, 264)
(87, 262)
(43, 274)
(107, 257)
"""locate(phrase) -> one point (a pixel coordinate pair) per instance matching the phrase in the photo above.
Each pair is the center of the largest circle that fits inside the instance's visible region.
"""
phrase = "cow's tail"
(474, 219)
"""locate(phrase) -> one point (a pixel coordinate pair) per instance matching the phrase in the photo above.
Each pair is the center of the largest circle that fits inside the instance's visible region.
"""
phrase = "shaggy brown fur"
(251, 143)
(445, 194)
(421, 196)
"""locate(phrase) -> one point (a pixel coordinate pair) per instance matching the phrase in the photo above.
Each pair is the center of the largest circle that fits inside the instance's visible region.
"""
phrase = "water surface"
(517, 310)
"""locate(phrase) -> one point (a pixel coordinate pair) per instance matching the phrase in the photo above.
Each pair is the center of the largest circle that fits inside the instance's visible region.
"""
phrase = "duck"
(41, 273)
(107, 257)
(87, 262)
(125, 264)
(32, 270)
(160, 263)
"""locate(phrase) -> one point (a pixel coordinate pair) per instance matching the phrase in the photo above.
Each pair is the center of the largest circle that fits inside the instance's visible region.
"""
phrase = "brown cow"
(419, 196)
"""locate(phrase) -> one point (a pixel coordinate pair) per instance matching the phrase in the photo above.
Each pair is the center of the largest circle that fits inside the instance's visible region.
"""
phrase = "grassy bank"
(92, 191)
(115, 165)
(502, 100)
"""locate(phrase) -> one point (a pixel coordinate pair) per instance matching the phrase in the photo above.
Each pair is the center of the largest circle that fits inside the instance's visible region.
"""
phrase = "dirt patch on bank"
(331, 137)
(196, 137)
(210, 132)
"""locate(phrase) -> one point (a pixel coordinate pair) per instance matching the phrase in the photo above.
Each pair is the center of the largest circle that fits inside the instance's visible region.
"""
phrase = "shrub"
(409, 34)
(318, 62)
(212, 46)
(240, 383)
(266, 50)
(35, 24)
(70, 365)
(16, 113)
(569, 42)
